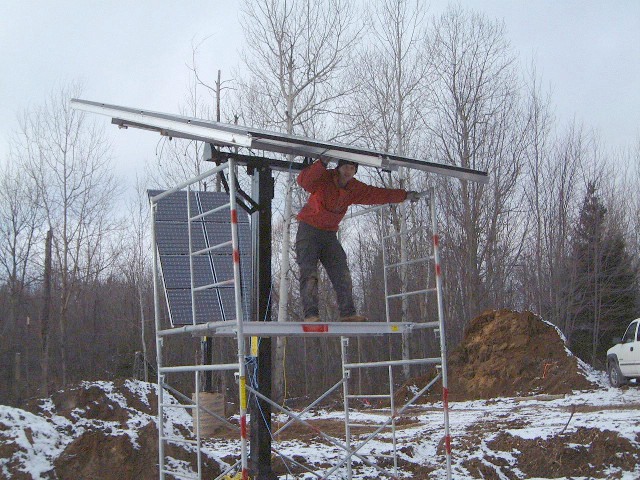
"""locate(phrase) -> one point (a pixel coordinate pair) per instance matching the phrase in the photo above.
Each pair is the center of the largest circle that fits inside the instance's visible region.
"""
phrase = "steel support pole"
(262, 192)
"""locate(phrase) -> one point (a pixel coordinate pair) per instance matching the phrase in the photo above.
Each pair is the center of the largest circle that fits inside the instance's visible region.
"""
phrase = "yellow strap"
(243, 393)
(254, 346)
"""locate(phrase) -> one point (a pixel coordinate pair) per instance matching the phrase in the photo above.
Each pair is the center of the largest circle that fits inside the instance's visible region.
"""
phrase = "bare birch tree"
(295, 51)
(385, 108)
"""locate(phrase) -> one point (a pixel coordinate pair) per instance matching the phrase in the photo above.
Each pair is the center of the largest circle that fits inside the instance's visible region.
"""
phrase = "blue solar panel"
(216, 266)
(173, 208)
(207, 307)
(173, 238)
(211, 200)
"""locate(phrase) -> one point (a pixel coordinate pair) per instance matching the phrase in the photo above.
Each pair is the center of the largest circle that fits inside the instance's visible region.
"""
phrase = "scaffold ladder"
(439, 361)
(197, 369)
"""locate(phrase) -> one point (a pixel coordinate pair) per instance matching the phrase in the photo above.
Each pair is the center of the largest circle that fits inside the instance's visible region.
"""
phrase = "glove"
(413, 196)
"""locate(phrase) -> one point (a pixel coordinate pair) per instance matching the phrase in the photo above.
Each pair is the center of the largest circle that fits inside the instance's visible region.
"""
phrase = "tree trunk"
(45, 317)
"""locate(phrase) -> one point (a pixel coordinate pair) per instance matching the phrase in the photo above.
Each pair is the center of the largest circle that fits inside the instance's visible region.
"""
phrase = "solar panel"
(207, 307)
(214, 199)
(173, 208)
(172, 240)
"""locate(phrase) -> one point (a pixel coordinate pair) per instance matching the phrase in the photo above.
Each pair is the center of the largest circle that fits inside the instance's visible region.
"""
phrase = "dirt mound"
(95, 454)
(587, 452)
(96, 430)
(505, 354)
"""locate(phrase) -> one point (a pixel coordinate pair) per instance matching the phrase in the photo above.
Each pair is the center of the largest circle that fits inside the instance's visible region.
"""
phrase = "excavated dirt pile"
(103, 430)
(505, 354)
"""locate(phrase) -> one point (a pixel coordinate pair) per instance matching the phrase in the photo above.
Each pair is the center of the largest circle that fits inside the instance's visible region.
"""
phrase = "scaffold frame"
(240, 330)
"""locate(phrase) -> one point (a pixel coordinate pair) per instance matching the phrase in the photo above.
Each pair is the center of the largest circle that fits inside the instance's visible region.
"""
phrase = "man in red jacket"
(332, 191)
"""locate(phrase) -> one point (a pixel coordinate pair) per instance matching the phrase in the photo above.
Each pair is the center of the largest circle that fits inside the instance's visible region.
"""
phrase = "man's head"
(347, 162)
(346, 171)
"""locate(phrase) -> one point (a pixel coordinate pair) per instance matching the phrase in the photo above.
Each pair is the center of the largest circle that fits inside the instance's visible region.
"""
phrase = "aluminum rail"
(443, 343)
(414, 292)
(179, 440)
(191, 181)
(199, 368)
(200, 328)
(240, 136)
(210, 249)
(395, 363)
(209, 212)
(213, 285)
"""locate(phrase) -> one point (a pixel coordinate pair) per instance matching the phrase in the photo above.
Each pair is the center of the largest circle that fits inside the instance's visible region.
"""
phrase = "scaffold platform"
(229, 328)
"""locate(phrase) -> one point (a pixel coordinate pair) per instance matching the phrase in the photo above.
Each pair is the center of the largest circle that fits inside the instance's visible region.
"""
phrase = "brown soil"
(587, 452)
(97, 455)
(505, 354)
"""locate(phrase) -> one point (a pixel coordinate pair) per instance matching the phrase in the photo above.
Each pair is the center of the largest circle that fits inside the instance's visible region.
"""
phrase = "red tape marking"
(445, 397)
(436, 240)
(447, 441)
(438, 269)
(236, 256)
(315, 328)
(243, 426)
(245, 474)
(234, 216)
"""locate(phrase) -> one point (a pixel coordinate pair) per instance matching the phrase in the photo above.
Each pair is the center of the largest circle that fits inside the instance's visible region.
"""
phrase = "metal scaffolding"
(241, 329)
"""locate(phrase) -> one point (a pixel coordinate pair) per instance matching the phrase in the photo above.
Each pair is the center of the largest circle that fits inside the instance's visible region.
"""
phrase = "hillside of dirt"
(95, 430)
(505, 354)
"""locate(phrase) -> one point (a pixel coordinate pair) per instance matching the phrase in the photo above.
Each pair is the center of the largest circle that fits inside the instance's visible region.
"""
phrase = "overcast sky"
(134, 54)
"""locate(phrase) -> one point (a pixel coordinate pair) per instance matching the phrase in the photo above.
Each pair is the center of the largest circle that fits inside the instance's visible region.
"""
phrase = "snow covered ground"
(589, 434)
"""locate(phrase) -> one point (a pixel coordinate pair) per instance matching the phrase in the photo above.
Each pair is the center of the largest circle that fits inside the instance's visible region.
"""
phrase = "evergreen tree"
(603, 289)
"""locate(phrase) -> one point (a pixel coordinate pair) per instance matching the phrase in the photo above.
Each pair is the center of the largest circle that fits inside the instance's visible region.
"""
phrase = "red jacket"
(328, 203)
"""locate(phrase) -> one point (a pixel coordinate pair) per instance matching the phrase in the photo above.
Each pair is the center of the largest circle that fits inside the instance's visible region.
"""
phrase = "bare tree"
(474, 121)
(295, 51)
(67, 157)
(19, 222)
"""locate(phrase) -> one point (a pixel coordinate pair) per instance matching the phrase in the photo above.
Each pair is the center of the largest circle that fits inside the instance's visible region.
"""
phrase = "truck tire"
(616, 379)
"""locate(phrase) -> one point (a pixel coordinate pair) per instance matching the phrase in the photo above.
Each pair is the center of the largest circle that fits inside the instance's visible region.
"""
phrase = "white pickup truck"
(623, 359)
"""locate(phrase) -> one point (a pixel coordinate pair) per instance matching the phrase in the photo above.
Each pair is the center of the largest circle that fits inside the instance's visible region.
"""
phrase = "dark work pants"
(313, 244)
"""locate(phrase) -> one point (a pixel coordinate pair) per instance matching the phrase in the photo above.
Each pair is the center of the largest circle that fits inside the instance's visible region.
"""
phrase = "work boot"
(354, 318)
(312, 318)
